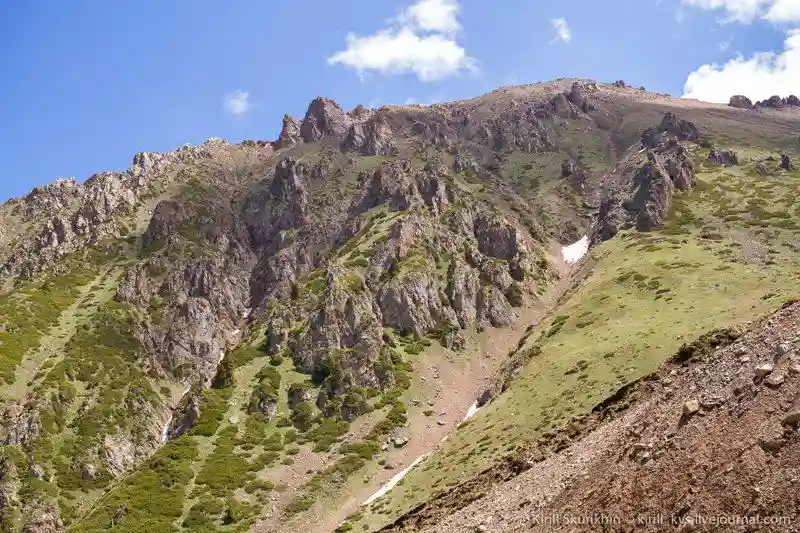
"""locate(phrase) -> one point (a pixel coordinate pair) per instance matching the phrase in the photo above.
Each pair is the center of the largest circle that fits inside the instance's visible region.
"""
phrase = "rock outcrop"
(671, 126)
(290, 133)
(741, 102)
(323, 118)
(646, 194)
(776, 102)
(723, 157)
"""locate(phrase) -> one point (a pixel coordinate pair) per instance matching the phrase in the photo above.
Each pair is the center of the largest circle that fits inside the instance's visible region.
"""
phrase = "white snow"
(165, 431)
(394, 481)
(573, 253)
(473, 410)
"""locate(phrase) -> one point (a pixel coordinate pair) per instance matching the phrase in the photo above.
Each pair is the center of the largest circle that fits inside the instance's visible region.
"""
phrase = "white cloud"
(784, 11)
(759, 77)
(749, 10)
(420, 41)
(433, 15)
(562, 29)
(237, 103)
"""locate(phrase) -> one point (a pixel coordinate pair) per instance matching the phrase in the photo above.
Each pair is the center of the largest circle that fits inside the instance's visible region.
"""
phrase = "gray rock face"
(671, 126)
(324, 117)
(290, 133)
(666, 167)
(741, 102)
(186, 414)
(567, 168)
(371, 137)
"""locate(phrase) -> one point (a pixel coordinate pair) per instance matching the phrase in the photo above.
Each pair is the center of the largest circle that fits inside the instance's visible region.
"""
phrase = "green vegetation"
(719, 260)
(29, 312)
(153, 495)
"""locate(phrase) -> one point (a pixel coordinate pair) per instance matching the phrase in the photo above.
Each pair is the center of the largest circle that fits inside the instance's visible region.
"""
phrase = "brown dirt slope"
(707, 443)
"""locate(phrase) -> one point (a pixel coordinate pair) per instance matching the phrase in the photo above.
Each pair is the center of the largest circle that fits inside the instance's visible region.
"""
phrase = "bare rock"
(690, 408)
(792, 419)
(775, 380)
(567, 168)
(324, 117)
(741, 102)
(723, 157)
(763, 371)
(290, 133)
(88, 472)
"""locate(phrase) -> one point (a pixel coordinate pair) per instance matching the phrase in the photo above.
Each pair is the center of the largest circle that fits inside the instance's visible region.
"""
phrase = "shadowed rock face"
(776, 102)
(649, 180)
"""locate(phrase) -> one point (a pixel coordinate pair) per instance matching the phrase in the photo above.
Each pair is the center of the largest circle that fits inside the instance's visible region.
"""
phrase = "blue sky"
(86, 84)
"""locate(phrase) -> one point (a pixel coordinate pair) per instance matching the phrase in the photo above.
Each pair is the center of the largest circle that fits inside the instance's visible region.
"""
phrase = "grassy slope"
(726, 255)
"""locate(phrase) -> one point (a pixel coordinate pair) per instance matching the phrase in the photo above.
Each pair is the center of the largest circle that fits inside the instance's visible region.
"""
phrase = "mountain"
(269, 336)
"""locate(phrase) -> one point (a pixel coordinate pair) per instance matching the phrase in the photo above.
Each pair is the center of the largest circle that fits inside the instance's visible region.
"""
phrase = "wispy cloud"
(562, 29)
(421, 41)
(237, 103)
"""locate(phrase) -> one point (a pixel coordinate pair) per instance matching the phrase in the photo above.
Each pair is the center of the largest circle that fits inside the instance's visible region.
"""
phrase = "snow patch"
(394, 481)
(165, 431)
(575, 251)
(473, 410)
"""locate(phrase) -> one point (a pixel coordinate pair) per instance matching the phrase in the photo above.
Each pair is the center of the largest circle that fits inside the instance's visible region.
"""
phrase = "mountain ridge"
(272, 307)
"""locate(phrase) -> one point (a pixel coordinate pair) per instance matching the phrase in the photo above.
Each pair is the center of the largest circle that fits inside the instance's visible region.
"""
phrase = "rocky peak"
(360, 113)
(324, 117)
(290, 133)
(578, 96)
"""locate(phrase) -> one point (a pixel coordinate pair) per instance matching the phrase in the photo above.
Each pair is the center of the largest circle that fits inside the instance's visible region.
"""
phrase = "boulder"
(723, 157)
(775, 380)
(786, 163)
(741, 102)
(690, 408)
(88, 472)
(763, 371)
(567, 168)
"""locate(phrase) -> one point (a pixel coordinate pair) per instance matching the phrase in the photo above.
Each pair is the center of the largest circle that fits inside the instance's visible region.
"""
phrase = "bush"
(303, 415)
